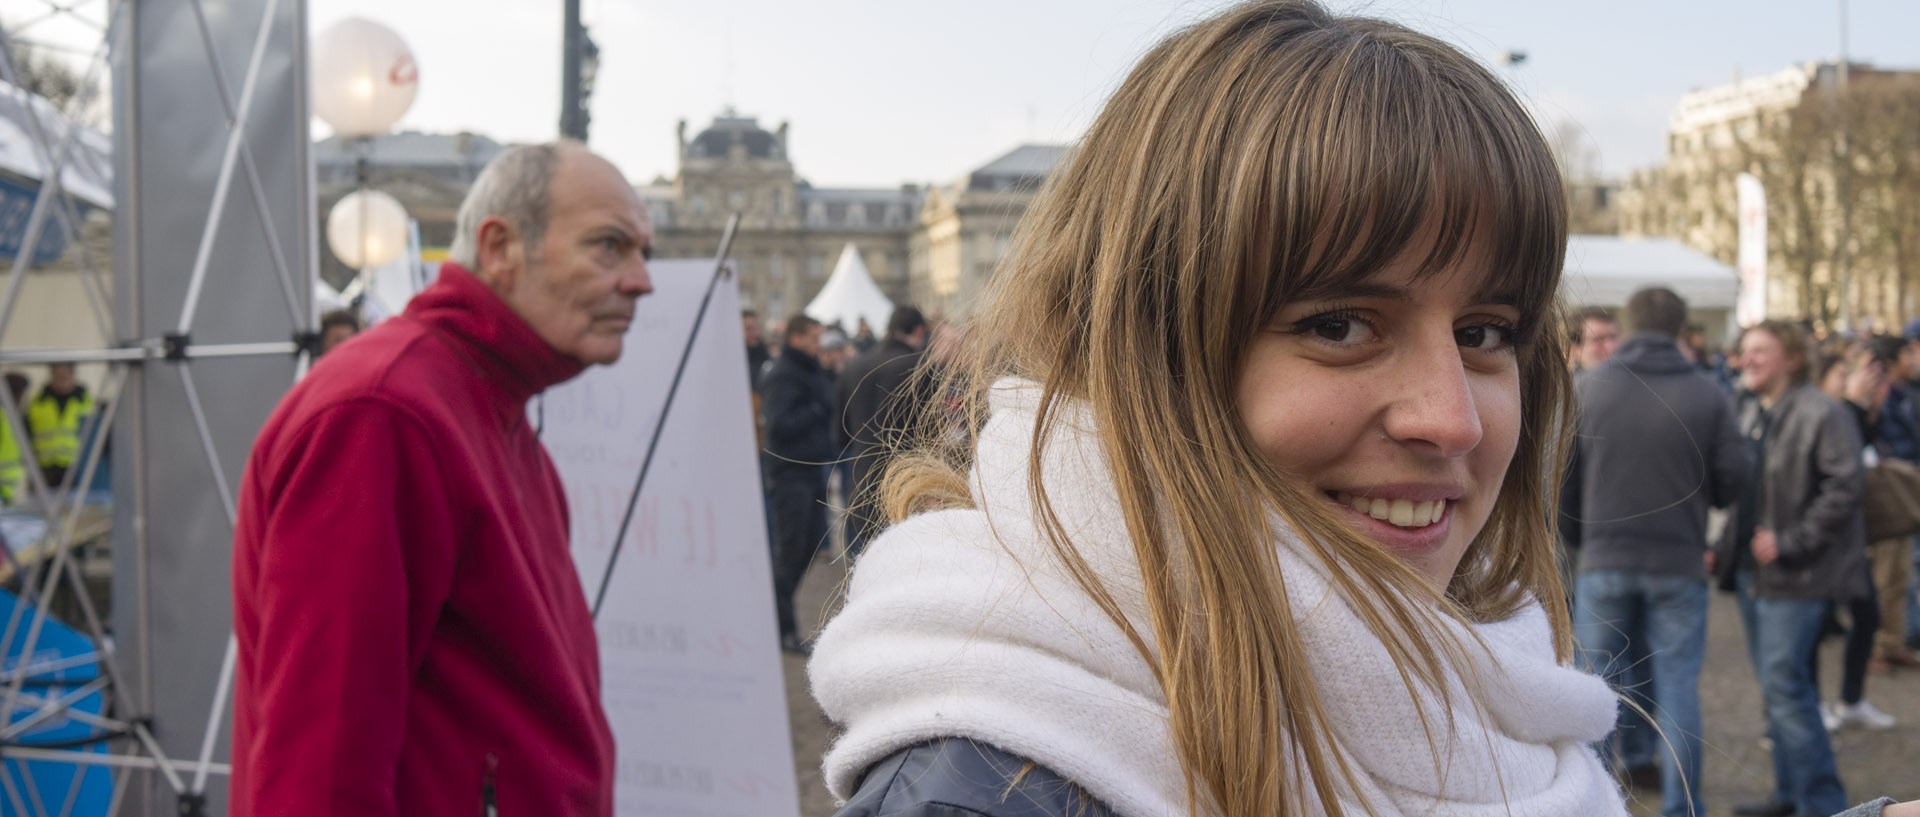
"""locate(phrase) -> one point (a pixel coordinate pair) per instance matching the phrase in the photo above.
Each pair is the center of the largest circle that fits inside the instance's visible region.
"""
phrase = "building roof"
(1024, 167)
(727, 130)
(88, 172)
(411, 149)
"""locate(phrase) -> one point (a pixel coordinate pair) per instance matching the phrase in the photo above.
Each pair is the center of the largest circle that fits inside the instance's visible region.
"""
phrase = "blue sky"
(880, 92)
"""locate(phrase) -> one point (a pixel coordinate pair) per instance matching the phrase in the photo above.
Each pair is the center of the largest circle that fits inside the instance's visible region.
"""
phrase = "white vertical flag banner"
(689, 657)
(1751, 308)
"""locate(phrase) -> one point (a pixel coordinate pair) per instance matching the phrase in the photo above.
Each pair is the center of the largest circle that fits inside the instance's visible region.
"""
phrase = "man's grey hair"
(515, 187)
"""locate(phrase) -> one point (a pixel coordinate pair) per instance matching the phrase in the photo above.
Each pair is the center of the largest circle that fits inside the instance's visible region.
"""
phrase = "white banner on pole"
(1752, 305)
(689, 656)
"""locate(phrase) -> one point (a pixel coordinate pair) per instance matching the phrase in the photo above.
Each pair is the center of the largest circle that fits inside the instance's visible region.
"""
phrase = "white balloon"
(367, 228)
(364, 77)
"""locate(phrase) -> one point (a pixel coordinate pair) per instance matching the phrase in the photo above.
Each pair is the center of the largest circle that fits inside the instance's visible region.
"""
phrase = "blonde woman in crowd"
(1257, 519)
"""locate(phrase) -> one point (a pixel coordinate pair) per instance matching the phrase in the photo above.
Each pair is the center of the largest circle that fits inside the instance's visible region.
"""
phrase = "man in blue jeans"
(1796, 541)
(1657, 443)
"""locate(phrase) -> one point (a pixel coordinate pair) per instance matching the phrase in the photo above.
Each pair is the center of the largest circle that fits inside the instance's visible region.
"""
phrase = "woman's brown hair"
(1270, 151)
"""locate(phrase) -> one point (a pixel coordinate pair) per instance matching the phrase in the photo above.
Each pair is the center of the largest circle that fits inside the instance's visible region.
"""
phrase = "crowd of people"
(1235, 499)
(57, 422)
(831, 408)
(1785, 433)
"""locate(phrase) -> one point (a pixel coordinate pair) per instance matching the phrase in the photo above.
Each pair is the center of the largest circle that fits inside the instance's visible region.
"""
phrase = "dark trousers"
(798, 497)
(1863, 620)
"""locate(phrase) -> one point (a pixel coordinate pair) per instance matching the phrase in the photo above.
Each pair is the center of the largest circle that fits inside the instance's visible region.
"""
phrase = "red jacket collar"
(460, 303)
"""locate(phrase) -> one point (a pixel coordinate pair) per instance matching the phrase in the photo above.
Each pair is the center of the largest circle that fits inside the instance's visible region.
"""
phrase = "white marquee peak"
(850, 294)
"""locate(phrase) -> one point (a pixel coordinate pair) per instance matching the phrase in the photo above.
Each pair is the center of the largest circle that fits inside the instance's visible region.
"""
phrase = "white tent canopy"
(1602, 270)
(850, 294)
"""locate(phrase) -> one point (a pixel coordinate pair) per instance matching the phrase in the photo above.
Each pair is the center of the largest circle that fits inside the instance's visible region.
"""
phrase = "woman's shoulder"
(953, 777)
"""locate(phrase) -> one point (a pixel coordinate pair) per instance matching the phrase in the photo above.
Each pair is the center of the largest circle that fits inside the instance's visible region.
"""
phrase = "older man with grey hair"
(413, 638)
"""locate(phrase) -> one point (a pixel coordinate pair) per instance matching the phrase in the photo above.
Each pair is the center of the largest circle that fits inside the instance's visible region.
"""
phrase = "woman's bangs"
(1413, 161)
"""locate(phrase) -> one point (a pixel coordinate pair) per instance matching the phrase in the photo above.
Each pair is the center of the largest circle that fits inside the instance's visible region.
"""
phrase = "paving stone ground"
(1738, 764)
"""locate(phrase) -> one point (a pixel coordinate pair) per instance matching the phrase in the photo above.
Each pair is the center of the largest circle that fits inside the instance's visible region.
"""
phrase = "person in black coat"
(878, 394)
(797, 400)
(757, 354)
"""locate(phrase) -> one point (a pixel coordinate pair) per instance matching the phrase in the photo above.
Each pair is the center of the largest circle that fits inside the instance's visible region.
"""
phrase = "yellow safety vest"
(13, 473)
(56, 432)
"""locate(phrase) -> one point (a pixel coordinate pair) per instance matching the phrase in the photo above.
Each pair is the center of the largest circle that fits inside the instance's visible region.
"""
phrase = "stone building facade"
(966, 228)
(1819, 160)
(932, 246)
(791, 233)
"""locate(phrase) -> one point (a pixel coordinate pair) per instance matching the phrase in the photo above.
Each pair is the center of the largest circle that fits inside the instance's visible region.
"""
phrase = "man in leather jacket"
(1795, 542)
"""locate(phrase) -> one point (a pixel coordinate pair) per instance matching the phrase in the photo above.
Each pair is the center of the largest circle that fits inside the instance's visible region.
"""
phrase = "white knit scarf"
(963, 624)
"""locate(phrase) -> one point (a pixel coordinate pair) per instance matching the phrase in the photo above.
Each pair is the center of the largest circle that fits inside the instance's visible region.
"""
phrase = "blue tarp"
(16, 205)
(63, 662)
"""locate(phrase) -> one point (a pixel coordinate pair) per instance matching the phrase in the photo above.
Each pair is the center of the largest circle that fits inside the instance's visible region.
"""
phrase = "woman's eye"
(1484, 336)
(1337, 328)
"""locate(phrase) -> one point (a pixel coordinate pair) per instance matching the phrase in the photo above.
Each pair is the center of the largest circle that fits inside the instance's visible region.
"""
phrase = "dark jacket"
(1656, 444)
(1809, 494)
(757, 357)
(1899, 429)
(956, 777)
(878, 395)
(796, 395)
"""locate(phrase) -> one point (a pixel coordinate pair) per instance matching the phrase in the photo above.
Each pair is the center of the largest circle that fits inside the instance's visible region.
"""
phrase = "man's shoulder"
(399, 363)
(1618, 378)
(902, 361)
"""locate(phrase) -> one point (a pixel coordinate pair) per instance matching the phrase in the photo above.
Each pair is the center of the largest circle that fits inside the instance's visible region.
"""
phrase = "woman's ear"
(501, 254)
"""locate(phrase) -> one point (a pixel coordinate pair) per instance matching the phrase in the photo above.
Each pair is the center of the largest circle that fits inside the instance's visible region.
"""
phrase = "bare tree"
(1588, 211)
(48, 75)
(1886, 166)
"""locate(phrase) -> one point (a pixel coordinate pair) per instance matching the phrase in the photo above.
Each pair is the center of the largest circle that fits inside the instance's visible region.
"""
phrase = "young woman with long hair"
(1254, 518)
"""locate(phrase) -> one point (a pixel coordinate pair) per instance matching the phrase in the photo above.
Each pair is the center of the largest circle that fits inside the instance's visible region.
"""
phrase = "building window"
(817, 266)
(779, 202)
(856, 215)
(893, 216)
(1001, 242)
(698, 204)
(817, 214)
(773, 266)
(737, 200)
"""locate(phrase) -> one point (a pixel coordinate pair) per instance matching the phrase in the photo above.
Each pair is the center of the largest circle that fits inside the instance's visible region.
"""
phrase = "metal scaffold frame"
(45, 579)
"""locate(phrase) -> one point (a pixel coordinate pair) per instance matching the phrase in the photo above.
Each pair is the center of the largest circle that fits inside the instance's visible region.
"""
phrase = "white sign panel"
(688, 651)
(1752, 306)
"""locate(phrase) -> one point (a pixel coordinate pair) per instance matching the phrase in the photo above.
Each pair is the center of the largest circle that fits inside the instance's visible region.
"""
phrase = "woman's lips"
(1401, 513)
(1431, 532)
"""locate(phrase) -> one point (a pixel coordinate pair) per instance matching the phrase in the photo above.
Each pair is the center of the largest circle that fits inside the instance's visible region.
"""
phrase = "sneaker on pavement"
(1863, 714)
(1830, 715)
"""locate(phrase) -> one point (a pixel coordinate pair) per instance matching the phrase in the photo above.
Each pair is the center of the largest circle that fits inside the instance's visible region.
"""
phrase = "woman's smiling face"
(1396, 399)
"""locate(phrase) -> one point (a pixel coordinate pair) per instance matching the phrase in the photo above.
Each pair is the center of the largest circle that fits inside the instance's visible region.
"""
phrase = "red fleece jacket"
(413, 636)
